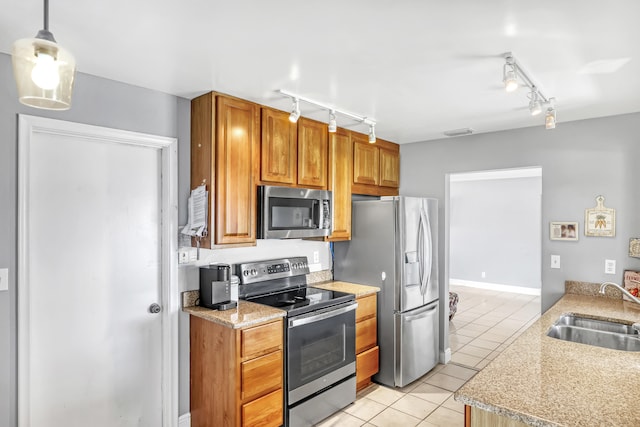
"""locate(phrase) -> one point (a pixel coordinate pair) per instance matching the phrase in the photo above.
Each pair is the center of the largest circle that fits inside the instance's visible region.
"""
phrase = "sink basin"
(601, 333)
(598, 325)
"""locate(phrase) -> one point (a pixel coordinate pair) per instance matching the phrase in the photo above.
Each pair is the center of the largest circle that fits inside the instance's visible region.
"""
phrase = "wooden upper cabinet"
(312, 153)
(389, 168)
(376, 167)
(237, 145)
(224, 147)
(279, 148)
(340, 175)
(366, 161)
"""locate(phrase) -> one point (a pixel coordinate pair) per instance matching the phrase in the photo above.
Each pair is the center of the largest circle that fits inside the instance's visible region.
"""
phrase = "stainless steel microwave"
(289, 213)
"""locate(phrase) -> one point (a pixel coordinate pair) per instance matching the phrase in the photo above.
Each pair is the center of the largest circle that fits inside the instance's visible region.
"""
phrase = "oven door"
(321, 350)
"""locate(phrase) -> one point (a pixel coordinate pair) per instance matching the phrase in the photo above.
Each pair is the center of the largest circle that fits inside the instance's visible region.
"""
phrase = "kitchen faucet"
(623, 290)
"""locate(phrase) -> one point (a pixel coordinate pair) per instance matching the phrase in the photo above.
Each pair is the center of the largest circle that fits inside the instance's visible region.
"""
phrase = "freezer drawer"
(416, 343)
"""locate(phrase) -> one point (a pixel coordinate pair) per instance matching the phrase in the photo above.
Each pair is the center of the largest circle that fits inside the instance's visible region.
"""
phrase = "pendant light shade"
(44, 71)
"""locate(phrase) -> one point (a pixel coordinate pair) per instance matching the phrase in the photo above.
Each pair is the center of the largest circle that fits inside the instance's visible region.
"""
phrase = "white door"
(95, 231)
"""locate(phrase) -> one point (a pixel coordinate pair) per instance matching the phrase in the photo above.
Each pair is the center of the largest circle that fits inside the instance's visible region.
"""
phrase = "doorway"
(97, 281)
(494, 260)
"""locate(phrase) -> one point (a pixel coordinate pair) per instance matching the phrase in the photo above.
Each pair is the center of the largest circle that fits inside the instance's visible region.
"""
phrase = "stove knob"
(245, 273)
(253, 272)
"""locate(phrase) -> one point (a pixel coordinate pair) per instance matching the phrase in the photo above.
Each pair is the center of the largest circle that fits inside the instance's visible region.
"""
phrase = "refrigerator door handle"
(425, 230)
(422, 314)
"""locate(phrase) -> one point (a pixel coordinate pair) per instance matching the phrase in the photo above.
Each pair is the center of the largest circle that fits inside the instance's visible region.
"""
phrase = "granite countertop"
(244, 315)
(543, 381)
(350, 288)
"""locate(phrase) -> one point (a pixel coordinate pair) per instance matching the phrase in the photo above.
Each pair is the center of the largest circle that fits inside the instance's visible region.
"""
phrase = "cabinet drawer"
(261, 375)
(261, 339)
(265, 411)
(366, 334)
(367, 364)
(366, 307)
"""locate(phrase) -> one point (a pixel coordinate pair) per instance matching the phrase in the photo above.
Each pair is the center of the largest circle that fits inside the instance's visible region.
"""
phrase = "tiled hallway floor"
(485, 324)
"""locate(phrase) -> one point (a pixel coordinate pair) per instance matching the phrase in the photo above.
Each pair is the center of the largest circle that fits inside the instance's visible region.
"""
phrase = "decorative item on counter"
(600, 221)
(630, 282)
(559, 230)
(634, 247)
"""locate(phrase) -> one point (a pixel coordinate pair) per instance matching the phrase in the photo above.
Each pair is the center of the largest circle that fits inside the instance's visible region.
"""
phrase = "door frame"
(31, 125)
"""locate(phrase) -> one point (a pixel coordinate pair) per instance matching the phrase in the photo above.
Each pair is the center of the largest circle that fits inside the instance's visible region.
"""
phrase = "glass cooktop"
(303, 300)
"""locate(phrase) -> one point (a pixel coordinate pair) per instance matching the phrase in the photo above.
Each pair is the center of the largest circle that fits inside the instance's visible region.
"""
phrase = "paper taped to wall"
(197, 223)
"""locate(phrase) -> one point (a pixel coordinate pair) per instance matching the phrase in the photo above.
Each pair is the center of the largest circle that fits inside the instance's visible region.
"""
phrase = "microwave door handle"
(315, 213)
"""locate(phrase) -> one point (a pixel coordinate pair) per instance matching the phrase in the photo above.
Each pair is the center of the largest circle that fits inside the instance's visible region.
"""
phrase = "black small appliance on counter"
(215, 287)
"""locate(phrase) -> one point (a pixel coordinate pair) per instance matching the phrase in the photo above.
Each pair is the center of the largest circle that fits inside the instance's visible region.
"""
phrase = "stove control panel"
(260, 271)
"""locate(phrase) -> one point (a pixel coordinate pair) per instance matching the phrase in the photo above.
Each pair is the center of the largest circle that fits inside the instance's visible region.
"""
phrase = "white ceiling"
(418, 67)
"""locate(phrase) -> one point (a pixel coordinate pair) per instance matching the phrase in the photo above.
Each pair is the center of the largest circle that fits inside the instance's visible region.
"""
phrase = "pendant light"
(44, 71)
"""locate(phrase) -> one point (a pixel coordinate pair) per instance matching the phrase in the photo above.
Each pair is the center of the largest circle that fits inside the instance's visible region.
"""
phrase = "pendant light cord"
(46, 15)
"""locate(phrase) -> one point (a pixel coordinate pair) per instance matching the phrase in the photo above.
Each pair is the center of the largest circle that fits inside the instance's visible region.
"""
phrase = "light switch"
(4, 279)
(555, 261)
(609, 266)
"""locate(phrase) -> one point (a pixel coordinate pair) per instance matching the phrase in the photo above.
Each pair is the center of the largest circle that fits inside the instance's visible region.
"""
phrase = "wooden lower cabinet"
(367, 350)
(475, 417)
(236, 374)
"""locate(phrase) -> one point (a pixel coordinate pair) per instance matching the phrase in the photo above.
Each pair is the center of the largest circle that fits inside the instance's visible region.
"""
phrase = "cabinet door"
(312, 153)
(340, 174)
(237, 136)
(279, 148)
(389, 168)
(366, 162)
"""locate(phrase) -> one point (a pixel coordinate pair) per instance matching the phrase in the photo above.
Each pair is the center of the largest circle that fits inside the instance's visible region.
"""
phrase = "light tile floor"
(485, 324)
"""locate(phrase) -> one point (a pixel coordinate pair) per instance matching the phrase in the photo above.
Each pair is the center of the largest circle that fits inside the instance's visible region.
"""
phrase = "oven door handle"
(322, 316)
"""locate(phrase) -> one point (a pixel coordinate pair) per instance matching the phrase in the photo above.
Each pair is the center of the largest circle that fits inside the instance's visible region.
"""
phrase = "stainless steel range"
(320, 360)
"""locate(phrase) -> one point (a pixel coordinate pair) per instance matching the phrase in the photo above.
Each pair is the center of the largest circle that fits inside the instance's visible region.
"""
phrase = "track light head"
(372, 133)
(535, 106)
(509, 75)
(295, 111)
(333, 126)
(550, 118)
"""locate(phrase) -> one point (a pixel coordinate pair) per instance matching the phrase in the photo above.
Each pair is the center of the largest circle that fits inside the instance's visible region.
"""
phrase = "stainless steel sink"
(601, 333)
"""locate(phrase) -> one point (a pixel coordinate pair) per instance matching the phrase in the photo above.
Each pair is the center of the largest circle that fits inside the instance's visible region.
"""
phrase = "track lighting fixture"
(535, 107)
(372, 133)
(509, 76)
(44, 71)
(295, 113)
(333, 126)
(513, 74)
(550, 115)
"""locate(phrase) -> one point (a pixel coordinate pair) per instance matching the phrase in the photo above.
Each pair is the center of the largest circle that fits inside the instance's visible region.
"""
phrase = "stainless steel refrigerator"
(394, 246)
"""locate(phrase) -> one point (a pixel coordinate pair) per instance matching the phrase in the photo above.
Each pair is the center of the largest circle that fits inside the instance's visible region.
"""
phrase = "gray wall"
(579, 161)
(96, 101)
(495, 228)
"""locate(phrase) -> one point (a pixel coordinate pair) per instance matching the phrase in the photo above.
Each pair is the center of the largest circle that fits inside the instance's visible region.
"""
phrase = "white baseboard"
(184, 420)
(496, 287)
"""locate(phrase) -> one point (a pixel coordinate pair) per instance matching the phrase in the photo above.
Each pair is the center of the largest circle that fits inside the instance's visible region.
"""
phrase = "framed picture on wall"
(600, 221)
(562, 230)
(634, 247)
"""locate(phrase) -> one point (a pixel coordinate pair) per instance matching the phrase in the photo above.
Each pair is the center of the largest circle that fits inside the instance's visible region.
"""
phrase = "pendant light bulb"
(372, 134)
(295, 111)
(333, 126)
(45, 72)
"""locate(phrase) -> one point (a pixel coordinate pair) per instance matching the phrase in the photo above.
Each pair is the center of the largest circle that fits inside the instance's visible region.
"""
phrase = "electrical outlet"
(609, 266)
(183, 256)
(316, 257)
(4, 279)
(555, 261)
